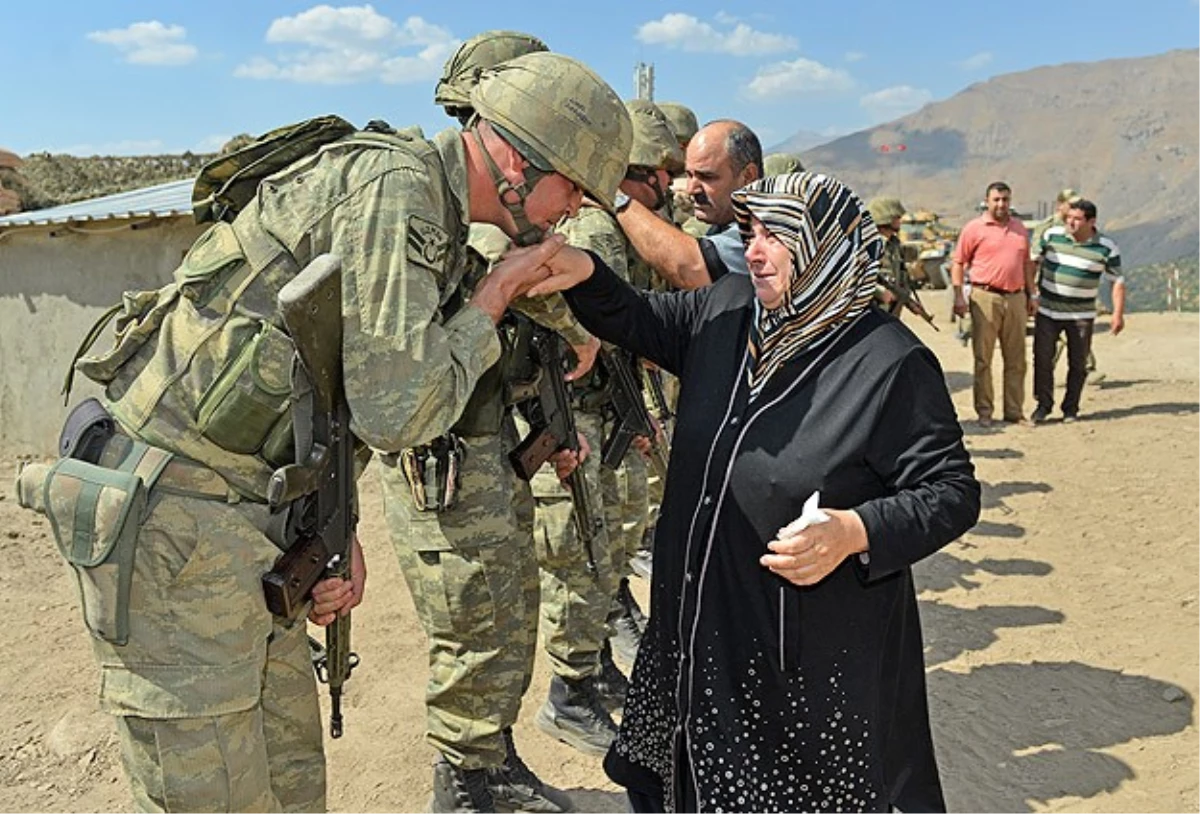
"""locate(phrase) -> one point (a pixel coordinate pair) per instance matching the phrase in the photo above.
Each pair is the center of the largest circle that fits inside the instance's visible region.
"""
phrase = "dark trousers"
(1079, 343)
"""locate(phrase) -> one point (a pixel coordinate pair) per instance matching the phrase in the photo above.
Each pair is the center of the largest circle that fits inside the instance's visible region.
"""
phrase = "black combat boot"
(573, 714)
(456, 789)
(515, 787)
(627, 622)
(611, 684)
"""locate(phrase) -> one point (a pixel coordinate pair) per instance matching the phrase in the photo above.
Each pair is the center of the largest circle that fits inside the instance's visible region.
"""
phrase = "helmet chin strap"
(527, 233)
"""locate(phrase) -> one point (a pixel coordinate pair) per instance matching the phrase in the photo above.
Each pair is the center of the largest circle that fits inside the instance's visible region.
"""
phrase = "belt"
(180, 475)
(994, 289)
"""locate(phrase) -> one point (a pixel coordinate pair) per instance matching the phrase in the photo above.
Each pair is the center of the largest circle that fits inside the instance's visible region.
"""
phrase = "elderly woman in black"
(782, 669)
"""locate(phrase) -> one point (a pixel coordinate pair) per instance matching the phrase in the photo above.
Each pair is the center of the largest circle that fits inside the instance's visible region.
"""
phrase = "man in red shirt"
(995, 246)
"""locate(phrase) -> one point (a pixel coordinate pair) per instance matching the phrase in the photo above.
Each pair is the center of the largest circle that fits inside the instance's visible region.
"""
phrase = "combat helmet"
(781, 164)
(885, 210)
(461, 72)
(682, 120)
(654, 143)
(561, 117)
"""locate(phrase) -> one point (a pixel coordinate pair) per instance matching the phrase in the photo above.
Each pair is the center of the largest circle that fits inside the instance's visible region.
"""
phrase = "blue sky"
(137, 77)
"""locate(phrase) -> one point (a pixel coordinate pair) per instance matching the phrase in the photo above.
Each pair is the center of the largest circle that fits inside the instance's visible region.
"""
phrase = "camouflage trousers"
(626, 505)
(575, 601)
(473, 578)
(216, 701)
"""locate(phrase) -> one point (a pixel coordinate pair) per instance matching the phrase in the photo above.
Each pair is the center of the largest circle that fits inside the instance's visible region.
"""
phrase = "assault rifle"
(631, 416)
(908, 298)
(319, 487)
(552, 427)
(658, 396)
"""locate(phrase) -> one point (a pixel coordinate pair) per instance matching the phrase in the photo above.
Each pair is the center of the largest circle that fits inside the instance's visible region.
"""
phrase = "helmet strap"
(527, 233)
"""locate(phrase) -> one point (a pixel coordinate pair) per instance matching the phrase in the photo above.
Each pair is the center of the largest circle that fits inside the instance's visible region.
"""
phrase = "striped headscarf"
(836, 250)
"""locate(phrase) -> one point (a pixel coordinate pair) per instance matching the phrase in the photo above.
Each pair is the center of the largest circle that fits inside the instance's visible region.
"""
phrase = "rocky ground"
(1061, 631)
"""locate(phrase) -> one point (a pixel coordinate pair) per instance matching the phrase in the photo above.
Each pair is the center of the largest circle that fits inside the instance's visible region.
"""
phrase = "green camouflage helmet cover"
(654, 142)
(781, 164)
(566, 113)
(682, 120)
(885, 210)
(487, 50)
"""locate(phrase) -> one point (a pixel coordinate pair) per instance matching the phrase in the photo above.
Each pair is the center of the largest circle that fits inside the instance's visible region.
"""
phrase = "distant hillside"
(800, 141)
(1173, 286)
(47, 180)
(1123, 132)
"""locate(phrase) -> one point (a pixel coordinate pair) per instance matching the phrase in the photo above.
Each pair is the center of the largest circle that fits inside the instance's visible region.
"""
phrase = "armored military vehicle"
(927, 244)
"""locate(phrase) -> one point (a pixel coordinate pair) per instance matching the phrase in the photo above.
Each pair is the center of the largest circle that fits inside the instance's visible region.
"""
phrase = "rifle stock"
(320, 485)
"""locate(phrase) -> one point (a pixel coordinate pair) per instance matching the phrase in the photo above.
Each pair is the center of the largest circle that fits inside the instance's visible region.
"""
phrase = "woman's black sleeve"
(653, 325)
(917, 449)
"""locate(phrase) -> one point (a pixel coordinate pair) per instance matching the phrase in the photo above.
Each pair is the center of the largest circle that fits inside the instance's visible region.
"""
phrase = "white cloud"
(976, 61)
(687, 33)
(799, 77)
(149, 43)
(331, 46)
(854, 56)
(892, 103)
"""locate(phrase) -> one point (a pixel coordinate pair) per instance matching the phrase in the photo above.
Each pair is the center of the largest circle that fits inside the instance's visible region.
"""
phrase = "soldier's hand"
(566, 461)
(586, 353)
(568, 268)
(336, 597)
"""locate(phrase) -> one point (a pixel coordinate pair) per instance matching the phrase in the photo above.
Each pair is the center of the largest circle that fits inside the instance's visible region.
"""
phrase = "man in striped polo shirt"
(1072, 259)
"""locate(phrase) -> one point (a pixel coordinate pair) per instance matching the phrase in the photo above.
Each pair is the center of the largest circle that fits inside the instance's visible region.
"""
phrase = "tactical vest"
(202, 366)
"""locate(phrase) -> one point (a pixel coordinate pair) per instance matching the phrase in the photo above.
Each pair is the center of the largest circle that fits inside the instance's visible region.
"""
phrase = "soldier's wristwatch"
(620, 202)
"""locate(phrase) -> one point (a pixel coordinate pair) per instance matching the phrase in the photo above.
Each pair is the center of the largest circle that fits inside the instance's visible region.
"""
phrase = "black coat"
(750, 693)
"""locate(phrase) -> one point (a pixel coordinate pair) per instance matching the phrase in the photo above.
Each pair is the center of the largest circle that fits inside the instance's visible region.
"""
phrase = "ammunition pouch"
(434, 472)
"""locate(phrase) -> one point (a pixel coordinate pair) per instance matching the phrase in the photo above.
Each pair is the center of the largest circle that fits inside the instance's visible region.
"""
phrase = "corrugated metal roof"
(159, 201)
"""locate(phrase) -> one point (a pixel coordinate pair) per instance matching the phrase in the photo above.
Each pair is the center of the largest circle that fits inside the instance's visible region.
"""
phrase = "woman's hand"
(568, 268)
(336, 597)
(807, 556)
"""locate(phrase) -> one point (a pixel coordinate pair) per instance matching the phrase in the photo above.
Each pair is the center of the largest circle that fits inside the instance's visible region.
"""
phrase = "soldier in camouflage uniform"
(215, 698)
(887, 212)
(576, 607)
(684, 125)
(471, 568)
(781, 164)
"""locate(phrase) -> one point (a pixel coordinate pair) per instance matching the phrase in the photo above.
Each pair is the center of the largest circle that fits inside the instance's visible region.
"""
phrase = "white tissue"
(810, 515)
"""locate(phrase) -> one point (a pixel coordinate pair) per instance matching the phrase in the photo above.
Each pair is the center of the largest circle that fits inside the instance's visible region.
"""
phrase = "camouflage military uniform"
(471, 569)
(216, 699)
(891, 265)
(576, 605)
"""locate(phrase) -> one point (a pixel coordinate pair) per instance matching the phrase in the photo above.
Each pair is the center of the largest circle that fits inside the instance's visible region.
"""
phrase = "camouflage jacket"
(396, 213)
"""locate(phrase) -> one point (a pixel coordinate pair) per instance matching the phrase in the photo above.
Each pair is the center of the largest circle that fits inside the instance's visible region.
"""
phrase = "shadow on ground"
(1166, 408)
(994, 494)
(950, 631)
(1014, 737)
(943, 571)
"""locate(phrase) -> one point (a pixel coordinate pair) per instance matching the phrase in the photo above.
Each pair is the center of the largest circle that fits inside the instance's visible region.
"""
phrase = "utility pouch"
(434, 472)
(95, 514)
(246, 408)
